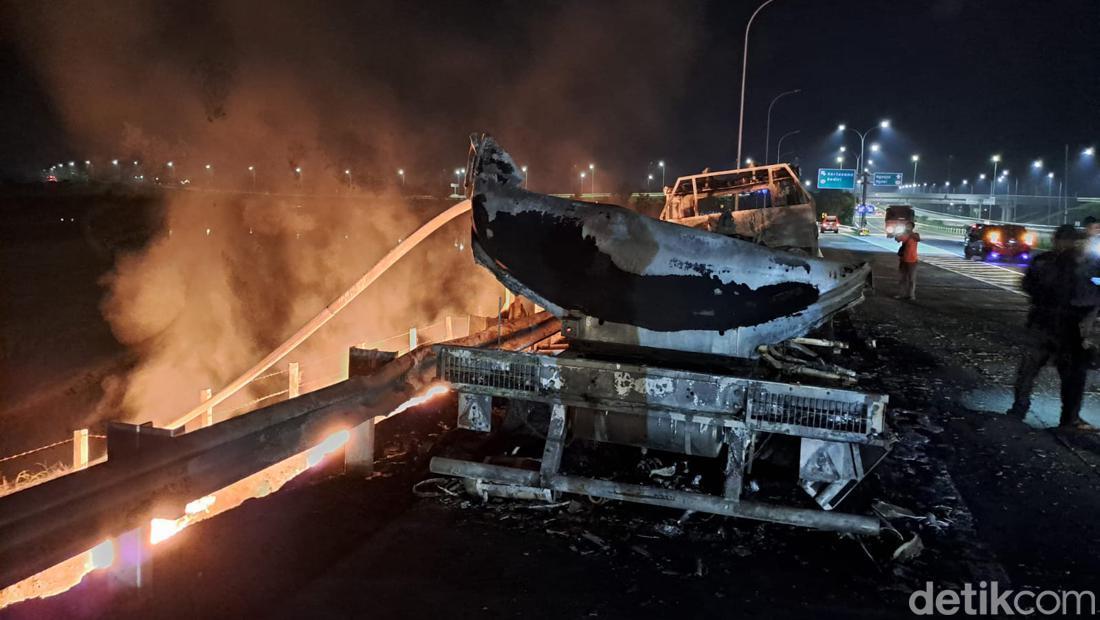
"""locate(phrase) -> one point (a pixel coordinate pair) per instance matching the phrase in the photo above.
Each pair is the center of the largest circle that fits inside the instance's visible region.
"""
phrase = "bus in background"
(897, 216)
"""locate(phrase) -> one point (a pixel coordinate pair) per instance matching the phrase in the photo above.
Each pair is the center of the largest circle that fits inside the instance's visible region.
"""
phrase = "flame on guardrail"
(65, 575)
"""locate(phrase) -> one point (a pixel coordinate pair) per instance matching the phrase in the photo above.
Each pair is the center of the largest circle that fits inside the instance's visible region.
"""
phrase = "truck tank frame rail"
(693, 413)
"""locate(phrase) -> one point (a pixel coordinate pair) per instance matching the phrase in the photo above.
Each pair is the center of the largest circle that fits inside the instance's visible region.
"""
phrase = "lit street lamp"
(748, 161)
(347, 173)
(252, 172)
(661, 165)
(581, 192)
(649, 183)
(525, 176)
(915, 159)
(996, 159)
(883, 124)
(592, 167)
(401, 173)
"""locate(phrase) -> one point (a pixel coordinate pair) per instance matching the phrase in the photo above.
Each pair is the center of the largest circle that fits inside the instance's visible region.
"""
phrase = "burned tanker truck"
(666, 326)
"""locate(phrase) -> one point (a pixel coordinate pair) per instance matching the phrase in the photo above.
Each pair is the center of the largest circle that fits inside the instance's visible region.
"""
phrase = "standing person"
(1088, 293)
(1054, 328)
(907, 262)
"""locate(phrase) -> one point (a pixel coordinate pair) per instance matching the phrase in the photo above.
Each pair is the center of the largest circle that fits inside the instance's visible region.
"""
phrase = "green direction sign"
(886, 179)
(836, 178)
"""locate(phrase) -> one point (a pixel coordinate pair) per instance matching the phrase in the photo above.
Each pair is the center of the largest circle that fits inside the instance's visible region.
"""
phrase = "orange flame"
(63, 576)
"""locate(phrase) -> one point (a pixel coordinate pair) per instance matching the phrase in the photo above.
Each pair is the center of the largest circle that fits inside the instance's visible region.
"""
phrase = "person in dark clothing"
(1054, 328)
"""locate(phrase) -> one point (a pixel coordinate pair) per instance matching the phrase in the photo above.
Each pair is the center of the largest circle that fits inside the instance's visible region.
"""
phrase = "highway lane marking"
(993, 275)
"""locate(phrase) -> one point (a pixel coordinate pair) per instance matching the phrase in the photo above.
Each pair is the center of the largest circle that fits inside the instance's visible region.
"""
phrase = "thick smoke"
(365, 87)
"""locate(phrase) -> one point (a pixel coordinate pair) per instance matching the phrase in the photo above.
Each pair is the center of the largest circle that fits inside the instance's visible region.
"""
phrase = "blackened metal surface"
(644, 283)
(552, 255)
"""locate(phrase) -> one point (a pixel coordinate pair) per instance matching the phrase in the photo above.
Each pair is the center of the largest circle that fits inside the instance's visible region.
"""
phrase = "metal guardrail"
(448, 328)
(153, 473)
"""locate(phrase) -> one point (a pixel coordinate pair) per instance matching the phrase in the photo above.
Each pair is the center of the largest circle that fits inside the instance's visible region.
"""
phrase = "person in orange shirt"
(907, 262)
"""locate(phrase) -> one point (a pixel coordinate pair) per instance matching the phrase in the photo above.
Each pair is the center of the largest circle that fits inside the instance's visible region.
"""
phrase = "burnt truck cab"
(897, 217)
(762, 204)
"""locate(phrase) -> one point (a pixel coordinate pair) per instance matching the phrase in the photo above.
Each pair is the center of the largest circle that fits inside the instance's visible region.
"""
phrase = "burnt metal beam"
(153, 472)
(669, 498)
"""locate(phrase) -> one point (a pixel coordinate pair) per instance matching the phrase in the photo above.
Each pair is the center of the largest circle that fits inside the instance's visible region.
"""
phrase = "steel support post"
(133, 565)
(735, 464)
(555, 444)
(80, 448)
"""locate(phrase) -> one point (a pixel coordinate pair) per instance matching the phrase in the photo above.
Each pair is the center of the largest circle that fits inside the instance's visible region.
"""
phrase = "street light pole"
(916, 158)
(526, 176)
(859, 163)
(1065, 184)
(779, 145)
(661, 165)
(768, 127)
(744, 68)
(592, 167)
(993, 181)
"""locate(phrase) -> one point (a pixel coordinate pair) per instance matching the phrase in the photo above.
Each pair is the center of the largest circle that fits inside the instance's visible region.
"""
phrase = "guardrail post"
(133, 562)
(294, 386)
(412, 338)
(449, 325)
(80, 448)
(359, 450)
(207, 414)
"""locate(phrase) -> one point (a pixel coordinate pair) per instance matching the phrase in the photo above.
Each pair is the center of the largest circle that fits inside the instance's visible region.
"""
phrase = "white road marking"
(994, 275)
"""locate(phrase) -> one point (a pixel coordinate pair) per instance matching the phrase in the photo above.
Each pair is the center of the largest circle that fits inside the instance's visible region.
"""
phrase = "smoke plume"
(325, 102)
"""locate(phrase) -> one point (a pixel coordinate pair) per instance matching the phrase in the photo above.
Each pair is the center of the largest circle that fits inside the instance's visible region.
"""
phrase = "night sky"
(378, 86)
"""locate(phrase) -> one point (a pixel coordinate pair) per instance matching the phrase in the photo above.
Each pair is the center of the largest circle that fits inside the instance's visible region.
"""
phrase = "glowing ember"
(161, 530)
(67, 574)
(436, 390)
(331, 444)
(200, 505)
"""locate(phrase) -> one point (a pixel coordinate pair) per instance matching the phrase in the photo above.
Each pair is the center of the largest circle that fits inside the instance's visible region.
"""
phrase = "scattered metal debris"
(909, 549)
